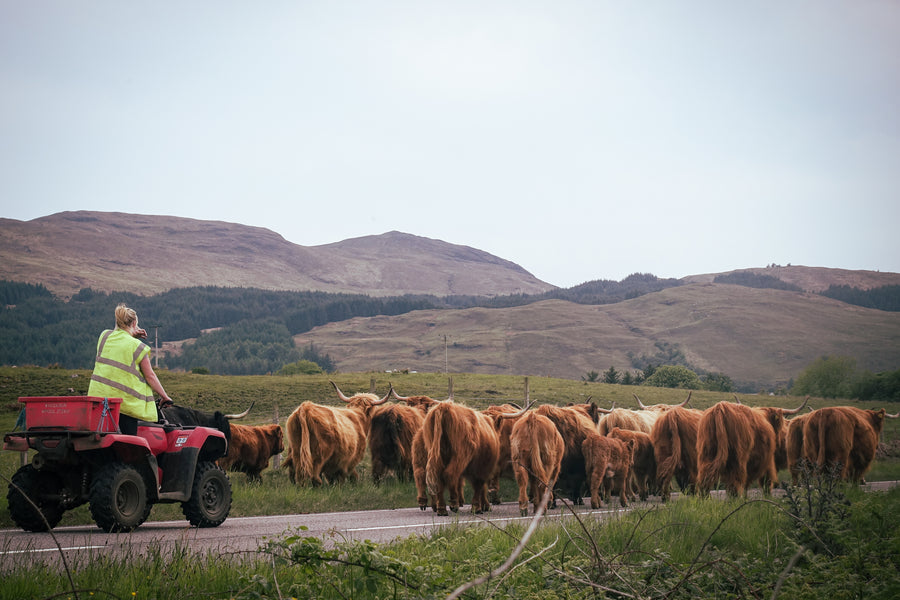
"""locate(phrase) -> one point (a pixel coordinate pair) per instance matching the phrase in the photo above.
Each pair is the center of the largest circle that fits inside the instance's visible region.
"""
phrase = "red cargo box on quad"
(74, 413)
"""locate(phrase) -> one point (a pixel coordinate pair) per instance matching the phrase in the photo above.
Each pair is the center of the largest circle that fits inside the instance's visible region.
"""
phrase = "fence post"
(372, 385)
(527, 392)
(450, 386)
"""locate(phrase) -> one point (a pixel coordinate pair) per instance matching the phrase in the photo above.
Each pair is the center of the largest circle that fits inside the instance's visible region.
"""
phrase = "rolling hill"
(752, 335)
(148, 254)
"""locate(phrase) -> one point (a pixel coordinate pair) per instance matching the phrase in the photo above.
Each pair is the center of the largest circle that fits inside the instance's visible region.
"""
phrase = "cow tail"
(433, 467)
(822, 457)
(303, 455)
(712, 448)
(538, 452)
(720, 461)
(666, 468)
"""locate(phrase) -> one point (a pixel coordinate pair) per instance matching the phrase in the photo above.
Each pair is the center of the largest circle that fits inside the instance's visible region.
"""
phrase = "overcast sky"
(580, 140)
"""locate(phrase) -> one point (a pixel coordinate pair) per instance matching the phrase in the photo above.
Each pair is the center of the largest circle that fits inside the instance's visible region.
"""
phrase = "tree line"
(255, 327)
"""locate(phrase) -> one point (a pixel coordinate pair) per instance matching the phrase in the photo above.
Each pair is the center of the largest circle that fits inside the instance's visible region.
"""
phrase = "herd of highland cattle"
(576, 450)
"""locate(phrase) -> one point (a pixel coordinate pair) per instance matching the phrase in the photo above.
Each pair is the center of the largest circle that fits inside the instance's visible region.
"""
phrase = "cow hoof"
(523, 512)
(442, 512)
(453, 508)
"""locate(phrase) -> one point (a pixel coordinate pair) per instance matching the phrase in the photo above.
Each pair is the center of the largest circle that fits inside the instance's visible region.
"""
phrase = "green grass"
(688, 548)
(271, 394)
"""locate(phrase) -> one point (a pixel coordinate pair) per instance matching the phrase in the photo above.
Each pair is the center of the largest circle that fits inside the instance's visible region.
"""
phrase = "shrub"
(301, 367)
(674, 376)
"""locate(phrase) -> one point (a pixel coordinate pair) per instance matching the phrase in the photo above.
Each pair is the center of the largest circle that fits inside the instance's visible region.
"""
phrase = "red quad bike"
(81, 457)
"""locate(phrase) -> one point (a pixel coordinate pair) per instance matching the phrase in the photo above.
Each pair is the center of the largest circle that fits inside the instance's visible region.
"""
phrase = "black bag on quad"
(80, 456)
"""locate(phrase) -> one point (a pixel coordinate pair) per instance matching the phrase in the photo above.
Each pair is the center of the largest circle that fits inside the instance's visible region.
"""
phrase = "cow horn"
(890, 416)
(736, 399)
(339, 392)
(396, 395)
(382, 400)
(686, 400)
(641, 404)
(606, 411)
(794, 411)
(241, 415)
(517, 414)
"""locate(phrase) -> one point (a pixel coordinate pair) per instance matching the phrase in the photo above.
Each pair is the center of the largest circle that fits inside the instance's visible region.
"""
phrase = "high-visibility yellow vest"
(117, 374)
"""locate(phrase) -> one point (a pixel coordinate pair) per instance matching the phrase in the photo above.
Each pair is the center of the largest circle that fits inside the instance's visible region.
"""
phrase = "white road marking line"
(471, 521)
(7, 552)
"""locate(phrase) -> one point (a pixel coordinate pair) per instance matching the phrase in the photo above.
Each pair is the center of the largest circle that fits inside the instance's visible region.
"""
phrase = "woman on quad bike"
(122, 370)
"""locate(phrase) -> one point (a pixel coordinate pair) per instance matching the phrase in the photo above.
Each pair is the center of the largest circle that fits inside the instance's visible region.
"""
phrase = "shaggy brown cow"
(461, 443)
(643, 469)
(628, 419)
(843, 436)
(590, 410)
(536, 448)
(642, 419)
(793, 446)
(736, 445)
(674, 439)
(608, 467)
(328, 441)
(422, 403)
(391, 433)
(574, 427)
(251, 447)
(503, 417)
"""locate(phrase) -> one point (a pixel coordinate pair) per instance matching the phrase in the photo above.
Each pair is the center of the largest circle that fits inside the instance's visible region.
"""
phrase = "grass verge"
(690, 548)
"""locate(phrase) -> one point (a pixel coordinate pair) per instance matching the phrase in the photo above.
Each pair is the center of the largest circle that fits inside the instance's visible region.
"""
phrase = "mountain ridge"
(749, 334)
(148, 254)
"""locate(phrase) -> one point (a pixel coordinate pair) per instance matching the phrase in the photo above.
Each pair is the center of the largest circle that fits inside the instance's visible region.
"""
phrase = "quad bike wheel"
(43, 488)
(210, 500)
(118, 498)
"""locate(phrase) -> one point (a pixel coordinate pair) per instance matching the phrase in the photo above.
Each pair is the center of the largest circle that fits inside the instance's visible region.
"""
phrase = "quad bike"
(82, 457)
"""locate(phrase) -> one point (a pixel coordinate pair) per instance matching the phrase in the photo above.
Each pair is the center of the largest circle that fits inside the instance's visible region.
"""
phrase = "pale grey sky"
(581, 140)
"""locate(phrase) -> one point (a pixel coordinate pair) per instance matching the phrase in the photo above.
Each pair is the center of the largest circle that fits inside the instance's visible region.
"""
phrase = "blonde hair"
(125, 317)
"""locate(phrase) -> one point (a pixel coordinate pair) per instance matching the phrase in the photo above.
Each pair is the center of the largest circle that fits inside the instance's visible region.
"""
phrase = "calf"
(643, 468)
(608, 467)
(251, 447)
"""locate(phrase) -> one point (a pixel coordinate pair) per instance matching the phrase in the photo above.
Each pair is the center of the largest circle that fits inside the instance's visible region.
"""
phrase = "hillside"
(150, 254)
(812, 279)
(752, 335)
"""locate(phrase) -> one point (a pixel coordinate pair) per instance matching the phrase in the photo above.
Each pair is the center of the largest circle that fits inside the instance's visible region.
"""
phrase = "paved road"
(248, 533)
